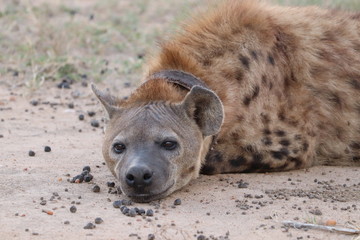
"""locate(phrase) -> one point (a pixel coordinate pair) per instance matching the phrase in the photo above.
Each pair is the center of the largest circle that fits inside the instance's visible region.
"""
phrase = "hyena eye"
(119, 148)
(169, 145)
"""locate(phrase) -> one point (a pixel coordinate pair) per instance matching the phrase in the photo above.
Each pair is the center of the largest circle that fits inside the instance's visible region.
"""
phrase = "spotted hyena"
(246, 87)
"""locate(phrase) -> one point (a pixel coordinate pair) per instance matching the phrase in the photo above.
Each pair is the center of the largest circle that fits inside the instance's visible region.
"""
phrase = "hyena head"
(156, 148)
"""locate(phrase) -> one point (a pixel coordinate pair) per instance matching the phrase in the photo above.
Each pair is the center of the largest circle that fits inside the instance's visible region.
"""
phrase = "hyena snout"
(138, 177)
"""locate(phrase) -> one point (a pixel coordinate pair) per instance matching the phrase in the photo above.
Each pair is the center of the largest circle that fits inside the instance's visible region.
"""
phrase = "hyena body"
(281, 91)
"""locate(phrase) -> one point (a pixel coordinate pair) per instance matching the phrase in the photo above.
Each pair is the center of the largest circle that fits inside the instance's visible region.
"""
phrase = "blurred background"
(93, 40)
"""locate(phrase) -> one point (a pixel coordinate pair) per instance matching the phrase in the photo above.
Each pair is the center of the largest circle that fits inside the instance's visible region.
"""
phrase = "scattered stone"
(96, 188)
(177, 201)
(71, 105)
(91, 113)
(64, 84)
(87, 168)
(98, 220)
(47, 149)
(88, 177)
(117, 204)
(110, 184)
(31, 153)
(34, 102)
(149, 213)
(81, 117)
(316, 212)
(151, 236)
(66, 222)
(242, 184)
(132, 212)
(89, 226)
(73, 209)
(95, 123)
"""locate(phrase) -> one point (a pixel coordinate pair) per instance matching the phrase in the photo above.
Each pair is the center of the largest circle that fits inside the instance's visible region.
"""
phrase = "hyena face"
(156, 148)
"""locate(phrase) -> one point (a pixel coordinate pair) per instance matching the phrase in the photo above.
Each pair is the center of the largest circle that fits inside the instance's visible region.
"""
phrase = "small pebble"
(98, 220)
(88, 177)
(201, 237)
(47, 149)
(177, 201)
(31, 153)
(81, 117)
(96, 188)
(71, 105)
(149, 213)
(91, 113)
(73, 209)
(151, 236)
(89, 226)
(117, 204)
(67, 222)
(95, 123)
(110, 184)
(132, 212)
(87, 168)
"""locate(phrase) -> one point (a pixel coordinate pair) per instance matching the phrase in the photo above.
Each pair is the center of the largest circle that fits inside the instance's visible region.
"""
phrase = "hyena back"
(244, 88)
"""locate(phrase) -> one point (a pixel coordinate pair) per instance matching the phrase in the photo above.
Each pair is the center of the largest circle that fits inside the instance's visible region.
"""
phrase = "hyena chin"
(246, 87)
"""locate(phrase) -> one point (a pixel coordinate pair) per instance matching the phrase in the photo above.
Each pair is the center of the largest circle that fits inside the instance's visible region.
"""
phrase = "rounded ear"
(206, 108)
(108, 101)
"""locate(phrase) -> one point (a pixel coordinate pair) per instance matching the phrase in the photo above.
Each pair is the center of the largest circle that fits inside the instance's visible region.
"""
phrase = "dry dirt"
(212, 206)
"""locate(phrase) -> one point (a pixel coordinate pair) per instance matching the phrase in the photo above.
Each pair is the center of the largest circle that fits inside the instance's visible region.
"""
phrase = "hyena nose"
(139, 177)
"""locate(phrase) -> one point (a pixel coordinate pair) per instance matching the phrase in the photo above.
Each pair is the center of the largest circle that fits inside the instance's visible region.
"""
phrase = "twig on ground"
(322, 227)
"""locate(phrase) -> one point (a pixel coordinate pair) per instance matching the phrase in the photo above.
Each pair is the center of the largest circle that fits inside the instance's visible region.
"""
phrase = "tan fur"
(313, 84)
(288, 79)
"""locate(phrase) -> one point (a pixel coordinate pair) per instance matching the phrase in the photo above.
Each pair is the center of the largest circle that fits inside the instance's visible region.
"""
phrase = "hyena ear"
(107, 100)
(205, 107)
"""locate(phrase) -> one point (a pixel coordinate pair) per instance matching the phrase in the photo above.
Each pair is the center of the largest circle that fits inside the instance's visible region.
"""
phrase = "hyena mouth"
(148, 197)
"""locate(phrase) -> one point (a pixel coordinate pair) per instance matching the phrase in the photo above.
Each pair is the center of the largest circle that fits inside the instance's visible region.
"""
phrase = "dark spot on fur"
(249, 148)
(256, 92)
(297, 161)
(247, 101)
(207, 170)
(298, 137)
(266, 141)
(283, 152)
(239, 75)
(281, 115)
(276, 155)
(245, 61)
(270, 85)
(206, 62)
(355, 145)
(264, 80)
(280, 133)
(266, 131)
(335, 99)
(305, 146)
(271, 60)
(257, 157)
(214, 157)
(235, 136)
(286, 82)
(355, 83)
(265, 118)
(285, 142)
(254, 55)
(257, 167)
(237, 162)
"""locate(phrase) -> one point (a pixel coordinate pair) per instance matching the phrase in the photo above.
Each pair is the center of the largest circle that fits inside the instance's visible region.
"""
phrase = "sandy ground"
(212, 206)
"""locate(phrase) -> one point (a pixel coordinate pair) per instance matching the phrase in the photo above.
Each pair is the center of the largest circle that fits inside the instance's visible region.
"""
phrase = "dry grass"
(98, 40)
